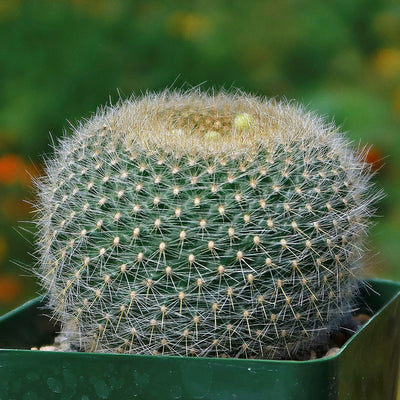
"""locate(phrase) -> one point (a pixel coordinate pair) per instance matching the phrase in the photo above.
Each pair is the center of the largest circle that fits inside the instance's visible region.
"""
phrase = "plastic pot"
(365, 368)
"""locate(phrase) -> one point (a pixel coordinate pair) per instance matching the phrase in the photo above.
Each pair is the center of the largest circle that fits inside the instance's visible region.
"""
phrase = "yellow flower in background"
(9, 9)
(387, 62)
(387, 25)
(187, 25)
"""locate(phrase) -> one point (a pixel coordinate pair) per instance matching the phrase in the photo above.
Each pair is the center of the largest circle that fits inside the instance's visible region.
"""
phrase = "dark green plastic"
(365, 368)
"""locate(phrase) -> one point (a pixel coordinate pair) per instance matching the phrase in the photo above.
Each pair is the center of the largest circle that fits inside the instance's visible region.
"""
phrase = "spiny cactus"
(206, 225)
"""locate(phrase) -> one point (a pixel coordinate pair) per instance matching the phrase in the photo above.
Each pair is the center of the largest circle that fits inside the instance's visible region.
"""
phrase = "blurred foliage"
(60, 59)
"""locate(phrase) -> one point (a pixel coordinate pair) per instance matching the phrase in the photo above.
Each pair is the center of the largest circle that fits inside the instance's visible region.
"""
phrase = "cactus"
(219, 225)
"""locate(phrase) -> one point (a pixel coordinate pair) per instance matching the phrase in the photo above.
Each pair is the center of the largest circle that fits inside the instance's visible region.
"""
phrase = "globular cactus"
(206, 225)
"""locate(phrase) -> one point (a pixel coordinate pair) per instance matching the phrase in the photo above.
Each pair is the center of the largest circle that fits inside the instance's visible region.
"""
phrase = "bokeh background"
(60, 59)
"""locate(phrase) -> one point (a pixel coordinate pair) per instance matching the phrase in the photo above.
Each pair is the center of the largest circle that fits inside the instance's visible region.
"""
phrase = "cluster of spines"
(237, 255)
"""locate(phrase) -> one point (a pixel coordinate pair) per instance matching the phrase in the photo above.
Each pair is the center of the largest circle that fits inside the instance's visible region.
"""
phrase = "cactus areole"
(192, 224)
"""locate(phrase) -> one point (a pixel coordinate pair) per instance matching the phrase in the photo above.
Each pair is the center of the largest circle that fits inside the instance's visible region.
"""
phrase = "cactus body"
(190, 224)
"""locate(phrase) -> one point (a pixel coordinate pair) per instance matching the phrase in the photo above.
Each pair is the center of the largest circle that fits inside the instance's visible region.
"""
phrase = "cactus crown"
(197, 224)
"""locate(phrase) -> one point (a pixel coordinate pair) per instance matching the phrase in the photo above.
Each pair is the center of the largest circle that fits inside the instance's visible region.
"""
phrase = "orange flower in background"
(14, 169)
(374, 157)
(9, 288)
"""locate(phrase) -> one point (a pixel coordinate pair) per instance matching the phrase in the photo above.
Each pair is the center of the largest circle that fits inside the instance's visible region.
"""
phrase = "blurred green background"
(60, 59)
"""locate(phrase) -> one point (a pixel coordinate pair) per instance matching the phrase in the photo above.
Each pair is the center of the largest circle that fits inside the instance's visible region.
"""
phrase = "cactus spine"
(206, 225)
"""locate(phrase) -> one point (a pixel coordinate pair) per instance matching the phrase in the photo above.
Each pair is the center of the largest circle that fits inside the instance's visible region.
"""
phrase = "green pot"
(365, 368)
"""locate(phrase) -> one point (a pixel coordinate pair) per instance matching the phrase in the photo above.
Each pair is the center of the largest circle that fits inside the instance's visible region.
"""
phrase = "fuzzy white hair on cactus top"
(202, 224)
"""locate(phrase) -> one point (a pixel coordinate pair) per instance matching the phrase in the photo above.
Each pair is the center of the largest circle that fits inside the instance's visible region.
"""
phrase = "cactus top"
(199, 124)
(202, 224)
